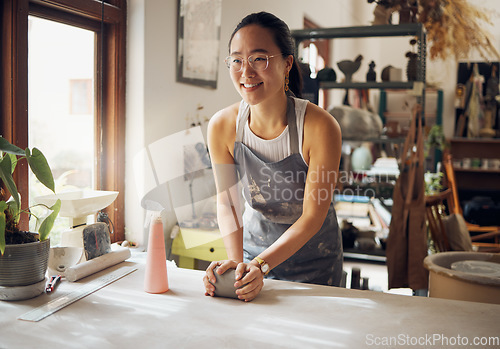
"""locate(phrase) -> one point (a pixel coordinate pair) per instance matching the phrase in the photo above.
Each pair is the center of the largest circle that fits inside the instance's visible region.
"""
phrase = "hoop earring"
(287, 81)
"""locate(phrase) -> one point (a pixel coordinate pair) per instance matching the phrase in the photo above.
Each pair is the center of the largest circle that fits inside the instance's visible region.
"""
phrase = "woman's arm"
(322, 150)
(221, 137)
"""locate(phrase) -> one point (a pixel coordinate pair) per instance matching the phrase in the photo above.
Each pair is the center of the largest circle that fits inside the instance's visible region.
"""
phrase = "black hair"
(283, 39)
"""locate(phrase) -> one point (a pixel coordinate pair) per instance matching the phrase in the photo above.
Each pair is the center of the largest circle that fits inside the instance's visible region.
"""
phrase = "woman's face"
(258, 86)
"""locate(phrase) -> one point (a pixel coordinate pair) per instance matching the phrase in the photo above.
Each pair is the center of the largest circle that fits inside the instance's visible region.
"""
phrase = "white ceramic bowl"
(61, 258)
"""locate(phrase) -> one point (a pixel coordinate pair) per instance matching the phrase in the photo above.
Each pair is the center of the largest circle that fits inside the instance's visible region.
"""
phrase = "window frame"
(323, 46)
(110, 126)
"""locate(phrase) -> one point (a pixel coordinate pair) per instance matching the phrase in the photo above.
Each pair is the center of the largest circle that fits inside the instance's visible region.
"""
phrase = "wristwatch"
(264, 267)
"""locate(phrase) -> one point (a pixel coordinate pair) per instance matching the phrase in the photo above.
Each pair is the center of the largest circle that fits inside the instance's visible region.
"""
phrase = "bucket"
(467, 276)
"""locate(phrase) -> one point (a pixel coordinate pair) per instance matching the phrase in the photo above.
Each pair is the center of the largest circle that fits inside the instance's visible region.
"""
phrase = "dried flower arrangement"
(455, 28)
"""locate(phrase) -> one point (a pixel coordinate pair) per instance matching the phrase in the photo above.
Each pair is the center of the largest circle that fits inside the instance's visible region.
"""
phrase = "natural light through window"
(61, 105)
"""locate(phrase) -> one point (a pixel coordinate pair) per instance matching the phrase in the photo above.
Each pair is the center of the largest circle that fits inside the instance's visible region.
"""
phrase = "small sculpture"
(385, 75)
(408, 10)
(492, 84)
(412, 66)
(383, 11)
(490, 105)
(350, 67)
(413, 11)
(371, 75)
(326, 74)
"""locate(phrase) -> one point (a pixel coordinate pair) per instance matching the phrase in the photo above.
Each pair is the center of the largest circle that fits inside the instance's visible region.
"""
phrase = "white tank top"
(276, 149)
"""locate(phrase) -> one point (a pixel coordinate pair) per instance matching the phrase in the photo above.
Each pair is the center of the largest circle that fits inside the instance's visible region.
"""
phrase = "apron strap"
(244, 112)
(292, 126)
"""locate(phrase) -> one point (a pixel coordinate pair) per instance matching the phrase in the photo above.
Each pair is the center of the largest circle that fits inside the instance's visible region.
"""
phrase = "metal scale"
(77, 206)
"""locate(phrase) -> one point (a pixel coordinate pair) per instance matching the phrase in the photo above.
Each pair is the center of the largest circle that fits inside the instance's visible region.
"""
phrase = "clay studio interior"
(241, 174)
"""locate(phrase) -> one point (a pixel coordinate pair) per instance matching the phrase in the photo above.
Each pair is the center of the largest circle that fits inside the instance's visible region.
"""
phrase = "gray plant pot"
(24, 264)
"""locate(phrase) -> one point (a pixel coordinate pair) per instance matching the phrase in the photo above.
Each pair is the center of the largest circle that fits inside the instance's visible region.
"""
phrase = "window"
(81, 97)
(61, 117)
(81, 91)
(317, 54)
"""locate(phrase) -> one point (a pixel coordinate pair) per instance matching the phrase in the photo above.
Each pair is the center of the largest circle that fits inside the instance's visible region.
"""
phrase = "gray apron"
(274, 193)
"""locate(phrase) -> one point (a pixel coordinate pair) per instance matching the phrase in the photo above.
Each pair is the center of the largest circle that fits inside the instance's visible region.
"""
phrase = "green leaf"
(10, 148)
(48, 222)
(14, 210)
(3, 206)
(40, 167)
(6, 176)
(13, 160)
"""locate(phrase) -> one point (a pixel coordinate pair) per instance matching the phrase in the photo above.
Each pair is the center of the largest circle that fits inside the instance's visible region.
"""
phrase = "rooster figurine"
(350, 67)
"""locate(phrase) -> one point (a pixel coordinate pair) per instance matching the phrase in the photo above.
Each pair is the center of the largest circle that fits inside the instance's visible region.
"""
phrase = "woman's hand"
(223, 266)
(253, 280)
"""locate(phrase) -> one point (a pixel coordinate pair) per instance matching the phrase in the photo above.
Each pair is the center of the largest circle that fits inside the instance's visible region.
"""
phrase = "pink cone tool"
(156, 279)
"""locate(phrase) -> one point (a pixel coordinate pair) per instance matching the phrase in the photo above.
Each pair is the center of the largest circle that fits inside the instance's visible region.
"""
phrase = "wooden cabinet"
(476, 163)
(193, 244)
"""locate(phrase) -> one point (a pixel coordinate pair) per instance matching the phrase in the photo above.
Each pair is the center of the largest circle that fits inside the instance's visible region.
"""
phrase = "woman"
(287, 153)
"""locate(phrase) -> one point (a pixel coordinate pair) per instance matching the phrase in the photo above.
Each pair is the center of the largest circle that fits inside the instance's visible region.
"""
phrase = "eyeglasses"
(258, 62)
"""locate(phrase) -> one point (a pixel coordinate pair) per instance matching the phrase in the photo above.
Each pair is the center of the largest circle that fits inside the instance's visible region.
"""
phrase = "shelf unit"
(408, 29)
(412, 29)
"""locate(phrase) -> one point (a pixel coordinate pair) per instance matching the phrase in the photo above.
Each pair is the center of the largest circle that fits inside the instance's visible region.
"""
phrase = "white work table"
(285, 315)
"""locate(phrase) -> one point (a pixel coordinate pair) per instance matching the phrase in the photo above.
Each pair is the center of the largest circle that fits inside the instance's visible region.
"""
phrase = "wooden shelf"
(377, 140)
(408, 29)
(476, 170)
(366, 85)
(484, 148)
(464, 140)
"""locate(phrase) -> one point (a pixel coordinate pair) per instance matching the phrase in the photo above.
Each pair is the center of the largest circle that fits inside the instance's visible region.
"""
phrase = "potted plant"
(23, 255)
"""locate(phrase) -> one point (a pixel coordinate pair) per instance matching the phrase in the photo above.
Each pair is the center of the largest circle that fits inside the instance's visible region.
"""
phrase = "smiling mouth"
(252, 85)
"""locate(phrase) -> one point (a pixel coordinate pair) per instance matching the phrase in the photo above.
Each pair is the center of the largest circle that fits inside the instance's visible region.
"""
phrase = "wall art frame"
(198, 40)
